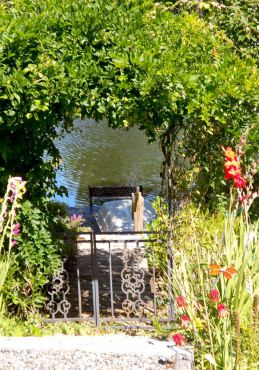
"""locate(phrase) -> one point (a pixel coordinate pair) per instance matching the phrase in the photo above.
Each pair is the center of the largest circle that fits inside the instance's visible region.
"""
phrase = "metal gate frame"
(59, 305)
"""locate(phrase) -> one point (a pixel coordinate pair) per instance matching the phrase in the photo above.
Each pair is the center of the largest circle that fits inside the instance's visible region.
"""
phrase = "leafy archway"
(134, 63)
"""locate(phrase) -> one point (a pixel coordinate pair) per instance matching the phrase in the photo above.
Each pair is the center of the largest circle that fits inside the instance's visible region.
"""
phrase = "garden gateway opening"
(113, 277)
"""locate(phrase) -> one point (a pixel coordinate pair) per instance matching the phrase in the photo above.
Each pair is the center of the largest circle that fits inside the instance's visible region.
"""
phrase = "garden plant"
(9, 229)
(217, 290)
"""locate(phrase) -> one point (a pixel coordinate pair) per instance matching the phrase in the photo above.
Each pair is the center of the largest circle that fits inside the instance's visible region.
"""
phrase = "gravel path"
(109, 352)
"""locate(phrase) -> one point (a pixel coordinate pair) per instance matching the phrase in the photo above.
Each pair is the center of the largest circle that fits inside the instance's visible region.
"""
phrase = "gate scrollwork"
(58, 291)
(132, 281)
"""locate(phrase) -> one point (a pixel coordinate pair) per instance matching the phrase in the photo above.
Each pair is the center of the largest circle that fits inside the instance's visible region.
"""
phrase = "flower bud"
(179, 339)
(222, 310)
(214, 295)
(181, 301)
(185, 320)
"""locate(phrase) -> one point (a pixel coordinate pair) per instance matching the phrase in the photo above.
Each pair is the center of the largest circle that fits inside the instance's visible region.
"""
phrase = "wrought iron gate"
(114, 277)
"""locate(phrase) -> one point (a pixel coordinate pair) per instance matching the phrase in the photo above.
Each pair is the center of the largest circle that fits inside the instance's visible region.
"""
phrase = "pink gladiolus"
(16, 229)
(15, 181)
(179, 339)
(14, 242)
(19, 179)
(11, 198)
(222, 310)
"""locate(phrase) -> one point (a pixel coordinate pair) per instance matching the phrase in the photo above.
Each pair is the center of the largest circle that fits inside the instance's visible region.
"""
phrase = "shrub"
(208, 228)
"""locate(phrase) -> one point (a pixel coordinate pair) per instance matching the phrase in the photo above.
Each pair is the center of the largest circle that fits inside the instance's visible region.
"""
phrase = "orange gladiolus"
(227, 272)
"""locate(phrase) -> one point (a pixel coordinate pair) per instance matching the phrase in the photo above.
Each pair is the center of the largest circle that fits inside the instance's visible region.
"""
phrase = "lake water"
(97, 155)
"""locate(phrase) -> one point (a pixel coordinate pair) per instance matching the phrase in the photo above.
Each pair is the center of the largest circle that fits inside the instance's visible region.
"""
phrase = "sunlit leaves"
(130, 62)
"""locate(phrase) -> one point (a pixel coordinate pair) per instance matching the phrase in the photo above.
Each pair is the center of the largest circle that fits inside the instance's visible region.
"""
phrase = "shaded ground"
(108, 268)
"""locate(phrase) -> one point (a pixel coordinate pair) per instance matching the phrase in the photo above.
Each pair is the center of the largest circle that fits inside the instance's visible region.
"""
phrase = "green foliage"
(238, 19)
(160, 225)
(35, 96)
(207, 227)
(227, 240)
(35, 261)
(186, 86)
(134, 63)
(35, 327)
(219, 339)
(12, 327)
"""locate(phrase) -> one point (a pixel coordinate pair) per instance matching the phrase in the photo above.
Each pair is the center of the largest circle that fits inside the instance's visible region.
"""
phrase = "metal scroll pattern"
(133, 284)
(58, 291)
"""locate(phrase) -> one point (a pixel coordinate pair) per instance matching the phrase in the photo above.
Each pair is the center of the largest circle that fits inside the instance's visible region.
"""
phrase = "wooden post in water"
(138, 210)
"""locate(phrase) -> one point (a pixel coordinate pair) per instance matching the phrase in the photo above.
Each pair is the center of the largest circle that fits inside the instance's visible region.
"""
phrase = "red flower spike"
(232, 169)
(239, 182)
(234, 172)
(181, 301)
(227, 176)
(233, 164)
(229, 153)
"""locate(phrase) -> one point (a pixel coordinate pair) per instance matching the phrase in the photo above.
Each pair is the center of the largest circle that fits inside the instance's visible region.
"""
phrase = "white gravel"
(109, 352)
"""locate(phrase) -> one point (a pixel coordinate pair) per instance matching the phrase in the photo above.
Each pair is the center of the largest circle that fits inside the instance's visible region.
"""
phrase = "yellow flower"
(198, 323)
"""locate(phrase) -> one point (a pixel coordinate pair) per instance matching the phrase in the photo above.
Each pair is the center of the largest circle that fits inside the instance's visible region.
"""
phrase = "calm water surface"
(98, 155)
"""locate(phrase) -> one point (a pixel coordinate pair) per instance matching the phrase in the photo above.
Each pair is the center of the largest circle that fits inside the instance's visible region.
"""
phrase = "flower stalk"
(9, 230)
(218, 292)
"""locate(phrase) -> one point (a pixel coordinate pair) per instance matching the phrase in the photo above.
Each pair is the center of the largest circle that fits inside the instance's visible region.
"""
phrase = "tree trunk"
(167, 152)
(168, 146)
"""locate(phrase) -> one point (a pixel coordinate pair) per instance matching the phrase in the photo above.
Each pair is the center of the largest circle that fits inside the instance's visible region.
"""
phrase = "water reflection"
(98, 155)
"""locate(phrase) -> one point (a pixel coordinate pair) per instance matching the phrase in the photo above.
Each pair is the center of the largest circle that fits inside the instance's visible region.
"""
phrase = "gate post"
(95, 282)
(138, 210)
(171, 313)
